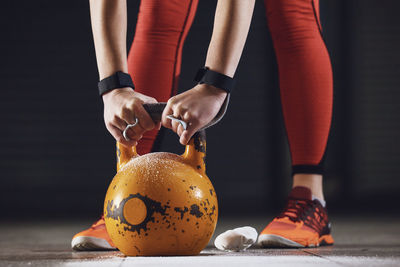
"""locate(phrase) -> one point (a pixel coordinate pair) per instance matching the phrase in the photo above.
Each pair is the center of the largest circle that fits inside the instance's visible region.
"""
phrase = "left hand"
(197, 107)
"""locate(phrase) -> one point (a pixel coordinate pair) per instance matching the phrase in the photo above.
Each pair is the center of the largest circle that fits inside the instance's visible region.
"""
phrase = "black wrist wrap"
(117, 80)
(219, 80)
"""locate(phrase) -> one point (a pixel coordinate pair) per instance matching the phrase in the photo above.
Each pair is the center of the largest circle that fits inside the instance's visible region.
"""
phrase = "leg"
(154, 64)
(154, 59)
(305, 77)
(312, 181)
(306, 84)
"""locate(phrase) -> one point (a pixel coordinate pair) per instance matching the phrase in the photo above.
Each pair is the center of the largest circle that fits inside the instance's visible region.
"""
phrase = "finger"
(180, 129)
(188, 118)
(186, 135)
(135, 133)
(178, 113)
(151, 100)
(119, 123)
(145, 120)
(128, 115)
(175, 125)
(193, 127)
(164, 120)
(117, 134)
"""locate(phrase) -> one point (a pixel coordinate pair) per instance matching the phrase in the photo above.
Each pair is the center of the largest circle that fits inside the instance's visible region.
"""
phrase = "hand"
(121, 107)
(197, 107)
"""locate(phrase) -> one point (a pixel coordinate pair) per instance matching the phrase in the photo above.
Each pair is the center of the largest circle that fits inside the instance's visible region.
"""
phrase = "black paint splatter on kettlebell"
(152, 206)
(181, 211)
(195, 210)
(212, 212)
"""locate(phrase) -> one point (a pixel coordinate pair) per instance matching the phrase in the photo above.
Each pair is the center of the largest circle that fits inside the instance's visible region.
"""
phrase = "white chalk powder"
(237, 239)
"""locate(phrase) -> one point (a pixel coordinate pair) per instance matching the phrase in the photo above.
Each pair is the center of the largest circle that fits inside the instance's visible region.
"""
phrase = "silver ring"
(128, 127)
(183, 123)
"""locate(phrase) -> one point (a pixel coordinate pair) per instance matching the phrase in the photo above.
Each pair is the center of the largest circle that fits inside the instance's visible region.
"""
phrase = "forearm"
(109, 24)
(202, 103)
(231, 25)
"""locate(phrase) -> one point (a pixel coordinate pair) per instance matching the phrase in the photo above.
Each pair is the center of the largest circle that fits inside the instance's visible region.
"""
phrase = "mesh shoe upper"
(303, 220)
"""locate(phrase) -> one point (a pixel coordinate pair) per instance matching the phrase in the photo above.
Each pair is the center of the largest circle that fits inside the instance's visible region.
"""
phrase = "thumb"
(187, 134)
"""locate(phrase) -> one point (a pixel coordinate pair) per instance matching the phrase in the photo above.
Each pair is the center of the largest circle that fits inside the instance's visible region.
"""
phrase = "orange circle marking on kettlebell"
(135, 211)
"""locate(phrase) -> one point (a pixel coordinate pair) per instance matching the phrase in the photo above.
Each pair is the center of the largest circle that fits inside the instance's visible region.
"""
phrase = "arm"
(200, 105)
(121, 106)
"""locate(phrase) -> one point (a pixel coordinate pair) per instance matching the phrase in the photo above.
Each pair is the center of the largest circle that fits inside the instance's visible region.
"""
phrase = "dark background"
(56, 157)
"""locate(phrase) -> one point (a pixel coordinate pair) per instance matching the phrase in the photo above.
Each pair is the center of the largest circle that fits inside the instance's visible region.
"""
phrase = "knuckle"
(115, 118)
(178, 106)
(125, 110)
(137, 101)
(188, 116)
(172, 101)
(132, 104)
(178, 110)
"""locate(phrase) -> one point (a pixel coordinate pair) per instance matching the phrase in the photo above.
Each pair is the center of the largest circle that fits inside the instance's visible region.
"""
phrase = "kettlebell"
(161, 203)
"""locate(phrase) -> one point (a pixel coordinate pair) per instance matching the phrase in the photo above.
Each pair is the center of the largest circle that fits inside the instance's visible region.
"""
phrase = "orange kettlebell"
(161, 203)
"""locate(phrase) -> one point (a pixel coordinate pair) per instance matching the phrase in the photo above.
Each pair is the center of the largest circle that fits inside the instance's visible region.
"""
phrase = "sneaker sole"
(269, 240)
(326, 240)
(277, 241)
(84, 243)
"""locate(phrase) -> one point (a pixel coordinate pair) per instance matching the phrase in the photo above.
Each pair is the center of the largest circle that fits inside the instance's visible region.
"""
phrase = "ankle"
(311, 181)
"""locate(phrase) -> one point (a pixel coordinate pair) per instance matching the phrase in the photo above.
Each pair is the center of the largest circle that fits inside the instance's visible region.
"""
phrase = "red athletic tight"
(304, 68)
(154, 61)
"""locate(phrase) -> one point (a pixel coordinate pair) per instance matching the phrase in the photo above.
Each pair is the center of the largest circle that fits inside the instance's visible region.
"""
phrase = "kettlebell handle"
(155, 110)
(195, 150)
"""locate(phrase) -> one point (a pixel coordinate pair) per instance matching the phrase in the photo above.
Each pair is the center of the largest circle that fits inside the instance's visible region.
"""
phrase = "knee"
(161, 18)
(290, 24)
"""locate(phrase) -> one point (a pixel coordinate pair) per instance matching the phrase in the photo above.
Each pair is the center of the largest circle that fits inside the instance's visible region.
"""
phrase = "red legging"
(305, 72)
(154, 60)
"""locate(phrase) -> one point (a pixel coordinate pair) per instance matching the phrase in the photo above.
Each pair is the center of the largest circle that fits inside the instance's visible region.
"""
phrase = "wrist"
(219, 93)
(218, 80)
(116, 81)
(117, 91)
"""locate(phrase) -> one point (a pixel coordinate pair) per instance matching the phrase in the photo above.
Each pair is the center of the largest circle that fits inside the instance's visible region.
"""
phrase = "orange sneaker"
(94, 238)
(303, 223)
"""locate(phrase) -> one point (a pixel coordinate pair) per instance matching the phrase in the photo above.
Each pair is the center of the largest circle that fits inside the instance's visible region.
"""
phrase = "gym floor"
(360, 241)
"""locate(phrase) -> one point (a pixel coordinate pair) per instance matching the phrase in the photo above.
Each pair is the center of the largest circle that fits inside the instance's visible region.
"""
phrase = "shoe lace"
(296, 209)
(307, 211)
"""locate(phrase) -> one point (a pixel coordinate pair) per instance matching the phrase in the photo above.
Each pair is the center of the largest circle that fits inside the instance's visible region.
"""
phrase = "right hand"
(121, 107)
(197, 107)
